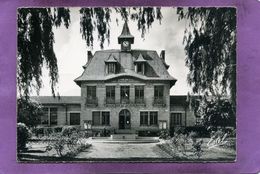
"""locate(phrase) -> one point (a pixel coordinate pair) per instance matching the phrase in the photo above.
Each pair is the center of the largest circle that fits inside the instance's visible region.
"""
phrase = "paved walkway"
(123, 150)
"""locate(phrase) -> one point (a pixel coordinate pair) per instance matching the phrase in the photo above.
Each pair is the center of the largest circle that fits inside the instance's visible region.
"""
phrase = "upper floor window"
(139, 94)
(158, 91)
(91, 92)
(125, 92)
(140, 68)
(111, 68)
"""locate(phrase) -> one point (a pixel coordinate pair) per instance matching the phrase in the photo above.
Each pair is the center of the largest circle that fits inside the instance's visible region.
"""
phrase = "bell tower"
(125, 39)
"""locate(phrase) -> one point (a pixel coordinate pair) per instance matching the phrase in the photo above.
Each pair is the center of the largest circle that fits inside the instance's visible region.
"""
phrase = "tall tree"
(210, 46)
(35, 46)
(36, 38)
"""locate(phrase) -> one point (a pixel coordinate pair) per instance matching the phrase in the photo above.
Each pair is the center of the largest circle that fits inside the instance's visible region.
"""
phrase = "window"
(139, 68)
(153, 118)
(177, 119)
(91, 92)
(74, 118)
(53, 116)
(125, 94)
(96, 118)
(111, 68)
(110, 94)
(162, 124)
(143, 118)
(139, 94)
(45, 116)
(105, 118)
(158, 92)
(87, 124)
(101, 118)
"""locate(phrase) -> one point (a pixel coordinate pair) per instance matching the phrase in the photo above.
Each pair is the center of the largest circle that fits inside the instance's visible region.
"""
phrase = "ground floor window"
(162, 124)
(74, 118)
(153, 118)
(100, 118)
(45, 116)
(50, 116)
(87, 124)
(105, 118)
(143, 118)
(177, 119)
(148, 118)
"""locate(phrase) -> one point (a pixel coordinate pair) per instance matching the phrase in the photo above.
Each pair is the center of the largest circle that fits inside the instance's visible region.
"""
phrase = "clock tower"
(125, 39)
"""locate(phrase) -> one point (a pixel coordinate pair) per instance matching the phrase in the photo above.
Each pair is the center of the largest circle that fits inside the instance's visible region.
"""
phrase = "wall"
(163, 112)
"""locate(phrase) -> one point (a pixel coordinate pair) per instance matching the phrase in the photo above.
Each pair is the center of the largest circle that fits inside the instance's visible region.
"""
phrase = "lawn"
(104, 151)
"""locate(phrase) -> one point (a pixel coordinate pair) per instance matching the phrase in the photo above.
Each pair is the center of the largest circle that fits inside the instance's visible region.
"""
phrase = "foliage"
(36, 38)
(210, 45)
(23, 135)
(35, 46)
(164, 134)
(100, 18)
(69, 130)
(29, 112)
(217, 111)
(197, 147)
(68, 146)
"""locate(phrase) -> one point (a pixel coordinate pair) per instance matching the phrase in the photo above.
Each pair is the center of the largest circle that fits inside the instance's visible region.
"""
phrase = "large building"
(122, 90)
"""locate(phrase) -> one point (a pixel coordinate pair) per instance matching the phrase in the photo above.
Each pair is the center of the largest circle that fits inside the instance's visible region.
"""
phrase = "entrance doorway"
(124, 119)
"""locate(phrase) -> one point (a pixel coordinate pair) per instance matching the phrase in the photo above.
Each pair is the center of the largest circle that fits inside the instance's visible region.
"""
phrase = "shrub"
(197, 147)
(68, 130)
(164, 134)
(23, 135)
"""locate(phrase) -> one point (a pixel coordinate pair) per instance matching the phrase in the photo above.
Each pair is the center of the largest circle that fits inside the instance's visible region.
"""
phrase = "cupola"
(125, 39)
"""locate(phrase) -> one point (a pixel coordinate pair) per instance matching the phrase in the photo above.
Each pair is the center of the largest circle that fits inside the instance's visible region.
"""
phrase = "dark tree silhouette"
(210, 46)
(36, 38)
(35, 46)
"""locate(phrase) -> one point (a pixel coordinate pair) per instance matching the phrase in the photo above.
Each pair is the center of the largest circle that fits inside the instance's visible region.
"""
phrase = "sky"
(71, 50)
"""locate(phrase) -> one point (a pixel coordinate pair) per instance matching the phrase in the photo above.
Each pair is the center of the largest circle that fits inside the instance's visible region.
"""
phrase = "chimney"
(90, 56)
(162, 55)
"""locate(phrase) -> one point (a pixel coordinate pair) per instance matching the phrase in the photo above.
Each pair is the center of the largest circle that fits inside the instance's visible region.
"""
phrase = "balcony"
(92, 102)
(110, 101)
(125, 101)
(159, 102)
(139, 101)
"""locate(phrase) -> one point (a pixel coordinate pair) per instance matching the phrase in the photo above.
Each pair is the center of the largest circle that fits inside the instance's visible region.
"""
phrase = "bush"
(68, 130)
(200, 130)
(23, 135)
(164, 134)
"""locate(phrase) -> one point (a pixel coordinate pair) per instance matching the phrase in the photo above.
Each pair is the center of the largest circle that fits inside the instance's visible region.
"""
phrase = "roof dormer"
(111, 65)
(140, 64)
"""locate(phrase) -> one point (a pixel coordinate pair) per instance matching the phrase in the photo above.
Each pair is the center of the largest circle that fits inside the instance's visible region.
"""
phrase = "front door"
(124, 119)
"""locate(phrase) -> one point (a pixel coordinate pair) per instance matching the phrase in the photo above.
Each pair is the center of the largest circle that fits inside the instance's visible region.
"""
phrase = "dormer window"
(111, 67)
(111, 64)
(140, 63)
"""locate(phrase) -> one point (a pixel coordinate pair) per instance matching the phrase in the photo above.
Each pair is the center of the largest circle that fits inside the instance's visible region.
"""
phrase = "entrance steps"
(125, 131)
(123, 136)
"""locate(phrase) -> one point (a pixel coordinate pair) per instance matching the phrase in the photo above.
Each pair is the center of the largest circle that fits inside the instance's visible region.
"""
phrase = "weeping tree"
(210, 47)
(36, 38)
(35, 46)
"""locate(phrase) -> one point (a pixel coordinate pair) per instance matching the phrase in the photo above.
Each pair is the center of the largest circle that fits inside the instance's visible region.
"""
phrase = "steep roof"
(125, 34)
(57, 100)
(95, 69)
(140, 58)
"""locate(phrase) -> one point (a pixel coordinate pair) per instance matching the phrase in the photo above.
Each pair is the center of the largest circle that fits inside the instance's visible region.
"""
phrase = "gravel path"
(123, 150)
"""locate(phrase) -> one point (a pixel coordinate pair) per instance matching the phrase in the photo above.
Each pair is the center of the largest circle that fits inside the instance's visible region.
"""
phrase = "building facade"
(124, 90)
